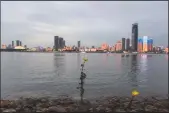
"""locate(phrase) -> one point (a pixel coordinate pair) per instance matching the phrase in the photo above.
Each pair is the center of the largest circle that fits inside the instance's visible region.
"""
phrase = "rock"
(42, 110)
(8, 104)
(108, 110)
(9, 111)
(126, 104)
(1, 109)
(163, 110)
(120, 110)
(100, 108)
(56, 109)
(27, 110)
(91, 110)
(43, 105)
(150, 108)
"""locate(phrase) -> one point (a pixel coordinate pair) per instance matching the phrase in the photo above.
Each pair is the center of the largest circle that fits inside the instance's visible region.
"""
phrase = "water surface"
(53, 74)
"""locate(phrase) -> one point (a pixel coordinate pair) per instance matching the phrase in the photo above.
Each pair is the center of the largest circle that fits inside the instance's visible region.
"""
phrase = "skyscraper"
(145, 43)
(60, 43)
(25, 46)
(78, 44)
(123, 44)
(63, 43)
(56, 42)
(20, 43)
(127, 44)
(151, 44)
(17, 42)
(13, 44)
(118, 46)
(140, 45)
(134, 36)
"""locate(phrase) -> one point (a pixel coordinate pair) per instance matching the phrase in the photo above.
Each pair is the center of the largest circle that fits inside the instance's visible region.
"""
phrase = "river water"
(55, 74)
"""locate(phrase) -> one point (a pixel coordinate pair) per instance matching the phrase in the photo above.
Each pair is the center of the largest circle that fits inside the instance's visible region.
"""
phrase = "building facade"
(118, 46)
(20, 43)
(127, 44)
(134, 36)
(60, 43)
(145, 43)
(56, 42)
(13, 45)
(78, 44)
(4, 46)
(123, 44)
(140, 45)
(64, 43)
(151, 44)
(104, 46)
(17, 43)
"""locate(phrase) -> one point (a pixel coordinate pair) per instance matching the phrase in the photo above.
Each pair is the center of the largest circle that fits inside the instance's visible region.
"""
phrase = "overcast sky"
(91, 22)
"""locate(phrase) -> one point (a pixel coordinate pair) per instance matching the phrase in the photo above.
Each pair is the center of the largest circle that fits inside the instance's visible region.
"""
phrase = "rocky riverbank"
(68, 104)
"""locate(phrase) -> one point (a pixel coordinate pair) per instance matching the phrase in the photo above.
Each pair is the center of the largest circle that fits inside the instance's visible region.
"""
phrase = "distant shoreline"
(80, 52)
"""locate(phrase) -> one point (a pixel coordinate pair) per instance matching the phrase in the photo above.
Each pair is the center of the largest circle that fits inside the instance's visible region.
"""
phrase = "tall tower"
(127, 44)
(134, 36)
(145, 43)
(13, 44)
(20, 43)
(78, 44)
(123, 44)
(60, 42)
(17, 42)
(56, 42)
(63, 43)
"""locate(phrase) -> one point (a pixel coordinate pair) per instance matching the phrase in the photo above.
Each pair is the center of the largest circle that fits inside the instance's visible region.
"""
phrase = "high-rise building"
(64, 43)
(123, 44)
(20, 43)
(134, 36)
(17, 43)
(145, 43)
(9, 46)
(151, 44)
(113, 48)
(60, 42)
(78, 44)
(127, 44)
(56, 42)
(118, 46)
(25, 46)
(104, 46)
(3, 46)
(140, 45)
(13, 44)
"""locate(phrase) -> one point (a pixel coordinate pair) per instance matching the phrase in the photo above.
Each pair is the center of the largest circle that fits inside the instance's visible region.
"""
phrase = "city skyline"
(93, 23)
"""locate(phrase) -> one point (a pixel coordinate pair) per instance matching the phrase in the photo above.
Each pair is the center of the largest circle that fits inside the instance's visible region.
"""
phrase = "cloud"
(36, 23)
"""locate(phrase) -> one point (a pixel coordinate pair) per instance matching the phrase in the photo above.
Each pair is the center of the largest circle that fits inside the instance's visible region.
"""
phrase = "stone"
(91, 110)
(108, 110)
(56, 109)
(150, 108)
(43, 105)
(120, 110)
(42, 110)
(100, 108)
(163, 110)
(5, 103)
(9, 111)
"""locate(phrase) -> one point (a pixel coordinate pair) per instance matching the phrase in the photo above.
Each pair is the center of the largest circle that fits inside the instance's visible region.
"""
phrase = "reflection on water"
(59, 63)
(143, 63)
(134, 71)
(58, 73)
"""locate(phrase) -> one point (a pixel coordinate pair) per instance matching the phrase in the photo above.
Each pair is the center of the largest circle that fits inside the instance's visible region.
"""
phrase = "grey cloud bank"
(94, 22)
